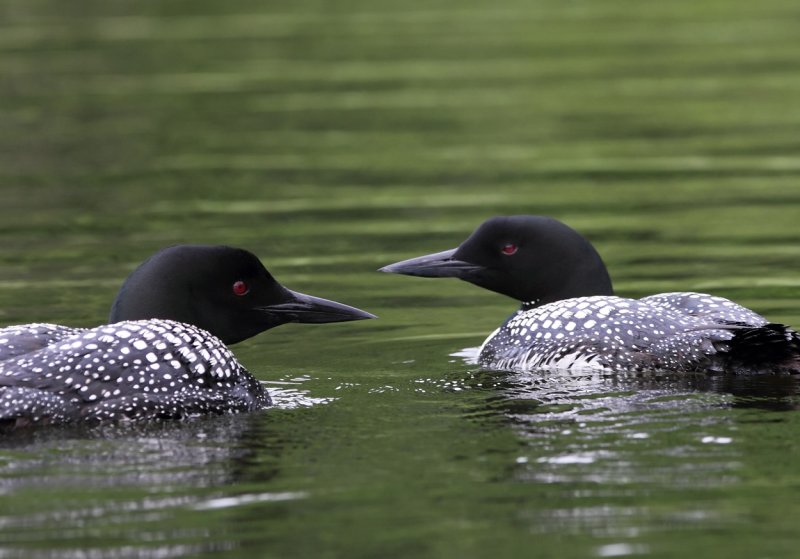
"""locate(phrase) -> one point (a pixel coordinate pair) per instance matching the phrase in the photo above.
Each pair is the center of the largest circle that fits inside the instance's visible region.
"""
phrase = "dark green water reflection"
(331, 138)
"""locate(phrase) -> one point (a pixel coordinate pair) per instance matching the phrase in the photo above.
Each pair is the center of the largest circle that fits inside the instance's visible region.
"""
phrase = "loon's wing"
(709, 307)
(27, 338)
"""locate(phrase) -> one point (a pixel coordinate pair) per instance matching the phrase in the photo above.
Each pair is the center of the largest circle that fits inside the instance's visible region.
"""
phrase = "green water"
(331, 138)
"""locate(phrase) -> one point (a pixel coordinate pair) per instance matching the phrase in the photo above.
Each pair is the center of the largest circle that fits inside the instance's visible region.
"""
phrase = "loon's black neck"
(578, 272)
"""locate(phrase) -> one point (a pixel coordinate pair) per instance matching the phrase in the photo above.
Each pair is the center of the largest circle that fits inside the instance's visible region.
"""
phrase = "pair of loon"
(164, 354)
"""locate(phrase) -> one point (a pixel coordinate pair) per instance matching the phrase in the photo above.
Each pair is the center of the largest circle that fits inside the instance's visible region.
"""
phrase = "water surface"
(333, 138)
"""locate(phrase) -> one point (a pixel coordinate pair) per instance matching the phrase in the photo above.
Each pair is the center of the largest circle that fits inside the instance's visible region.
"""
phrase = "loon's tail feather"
(772, 348)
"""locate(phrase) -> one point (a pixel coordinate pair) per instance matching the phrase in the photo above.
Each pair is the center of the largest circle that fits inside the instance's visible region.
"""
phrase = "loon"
(163, 354)
(571, 319)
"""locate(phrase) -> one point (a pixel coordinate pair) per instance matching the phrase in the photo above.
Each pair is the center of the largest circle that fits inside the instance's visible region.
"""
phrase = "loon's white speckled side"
(672, 331)
(570, 318)
(163, 354)
(127, 370)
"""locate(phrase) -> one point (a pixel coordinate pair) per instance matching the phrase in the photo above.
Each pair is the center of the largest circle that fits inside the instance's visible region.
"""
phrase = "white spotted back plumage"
(126, 370)
(673, 331)
(27, 338)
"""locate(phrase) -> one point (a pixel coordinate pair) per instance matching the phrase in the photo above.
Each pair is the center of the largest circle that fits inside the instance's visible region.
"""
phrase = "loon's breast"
(126, 370)
(671, 331)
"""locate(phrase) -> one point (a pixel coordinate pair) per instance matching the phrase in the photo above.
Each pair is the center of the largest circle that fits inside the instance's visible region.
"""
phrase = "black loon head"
(224, 290)
(533, 259)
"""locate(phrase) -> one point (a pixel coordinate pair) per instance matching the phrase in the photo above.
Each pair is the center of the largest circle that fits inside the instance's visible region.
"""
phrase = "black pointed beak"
(306, 308)
(437, 265)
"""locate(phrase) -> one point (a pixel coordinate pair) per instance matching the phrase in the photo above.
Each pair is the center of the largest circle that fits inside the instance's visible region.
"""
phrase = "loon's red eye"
(240, 288)
(509, 249)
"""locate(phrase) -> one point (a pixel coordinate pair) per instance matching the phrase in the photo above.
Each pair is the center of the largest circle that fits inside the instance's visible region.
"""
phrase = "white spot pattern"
(50, 373)
(680, 331)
